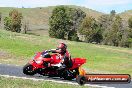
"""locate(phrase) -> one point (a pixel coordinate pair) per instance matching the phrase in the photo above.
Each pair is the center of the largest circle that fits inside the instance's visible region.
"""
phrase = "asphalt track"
(16, 72)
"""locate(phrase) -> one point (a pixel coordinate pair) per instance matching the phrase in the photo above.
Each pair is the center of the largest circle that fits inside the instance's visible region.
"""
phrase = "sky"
(104, 6)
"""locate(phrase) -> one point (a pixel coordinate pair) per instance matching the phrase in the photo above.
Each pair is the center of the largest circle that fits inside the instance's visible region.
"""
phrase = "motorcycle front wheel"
(28, 69)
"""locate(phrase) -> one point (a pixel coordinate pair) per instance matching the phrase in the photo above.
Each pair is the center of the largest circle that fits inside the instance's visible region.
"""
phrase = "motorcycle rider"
(64, 56)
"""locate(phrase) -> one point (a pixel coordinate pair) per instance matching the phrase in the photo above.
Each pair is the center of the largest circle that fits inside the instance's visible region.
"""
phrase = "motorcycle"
(47, 64)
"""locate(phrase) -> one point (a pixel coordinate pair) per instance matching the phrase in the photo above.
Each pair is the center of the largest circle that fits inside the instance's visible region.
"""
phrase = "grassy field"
(19, 48)
(21, 83)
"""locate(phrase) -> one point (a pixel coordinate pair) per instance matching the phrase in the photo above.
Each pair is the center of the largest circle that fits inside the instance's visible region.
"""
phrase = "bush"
(13, 22)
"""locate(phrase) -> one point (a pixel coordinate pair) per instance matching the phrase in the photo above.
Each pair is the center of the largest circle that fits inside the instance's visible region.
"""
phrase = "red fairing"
(37, 55)
(38, 58)
(77, 62)
(55, 59)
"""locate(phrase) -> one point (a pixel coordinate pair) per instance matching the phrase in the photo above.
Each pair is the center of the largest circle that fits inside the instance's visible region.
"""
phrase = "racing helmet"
(62, 46)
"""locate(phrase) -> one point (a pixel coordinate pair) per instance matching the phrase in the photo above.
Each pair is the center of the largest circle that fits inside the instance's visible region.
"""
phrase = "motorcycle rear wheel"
(66, 76)
(81, 80)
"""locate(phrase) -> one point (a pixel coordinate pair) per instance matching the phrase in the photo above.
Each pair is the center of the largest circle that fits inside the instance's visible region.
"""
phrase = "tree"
(25, 25)
(76, 16)
(65, 22)
(8, 23)
(13, 22)
(104, 21)
(130, 22)
(116, 31)
(113, 33)
(0, 17)
(91, 30)
(127, 38)
(128, 43)
(113, 13)
(59, 22)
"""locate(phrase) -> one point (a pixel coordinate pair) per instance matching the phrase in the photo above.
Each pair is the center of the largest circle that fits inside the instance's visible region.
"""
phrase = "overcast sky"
(98, 5)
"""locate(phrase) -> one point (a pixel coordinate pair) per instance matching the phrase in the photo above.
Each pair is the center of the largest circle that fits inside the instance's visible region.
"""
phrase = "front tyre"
(28, 69)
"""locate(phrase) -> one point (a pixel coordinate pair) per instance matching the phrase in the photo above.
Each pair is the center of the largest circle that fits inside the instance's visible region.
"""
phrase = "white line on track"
(34, 79)
(11, 65)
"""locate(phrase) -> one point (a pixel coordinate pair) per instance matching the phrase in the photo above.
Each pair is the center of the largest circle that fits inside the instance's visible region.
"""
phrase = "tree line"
(71, 23)
(107, 29)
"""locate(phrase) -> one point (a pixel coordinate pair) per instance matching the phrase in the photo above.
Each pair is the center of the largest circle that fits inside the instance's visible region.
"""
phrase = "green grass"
(20, 83)
(99, 57)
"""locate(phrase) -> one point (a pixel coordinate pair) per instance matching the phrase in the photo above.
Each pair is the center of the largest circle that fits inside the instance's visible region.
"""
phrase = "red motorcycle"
(47, 65)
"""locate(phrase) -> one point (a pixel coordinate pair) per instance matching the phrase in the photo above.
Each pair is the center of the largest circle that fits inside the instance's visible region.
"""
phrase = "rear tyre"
(28, 69)
(81, 80)
(67, 76)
